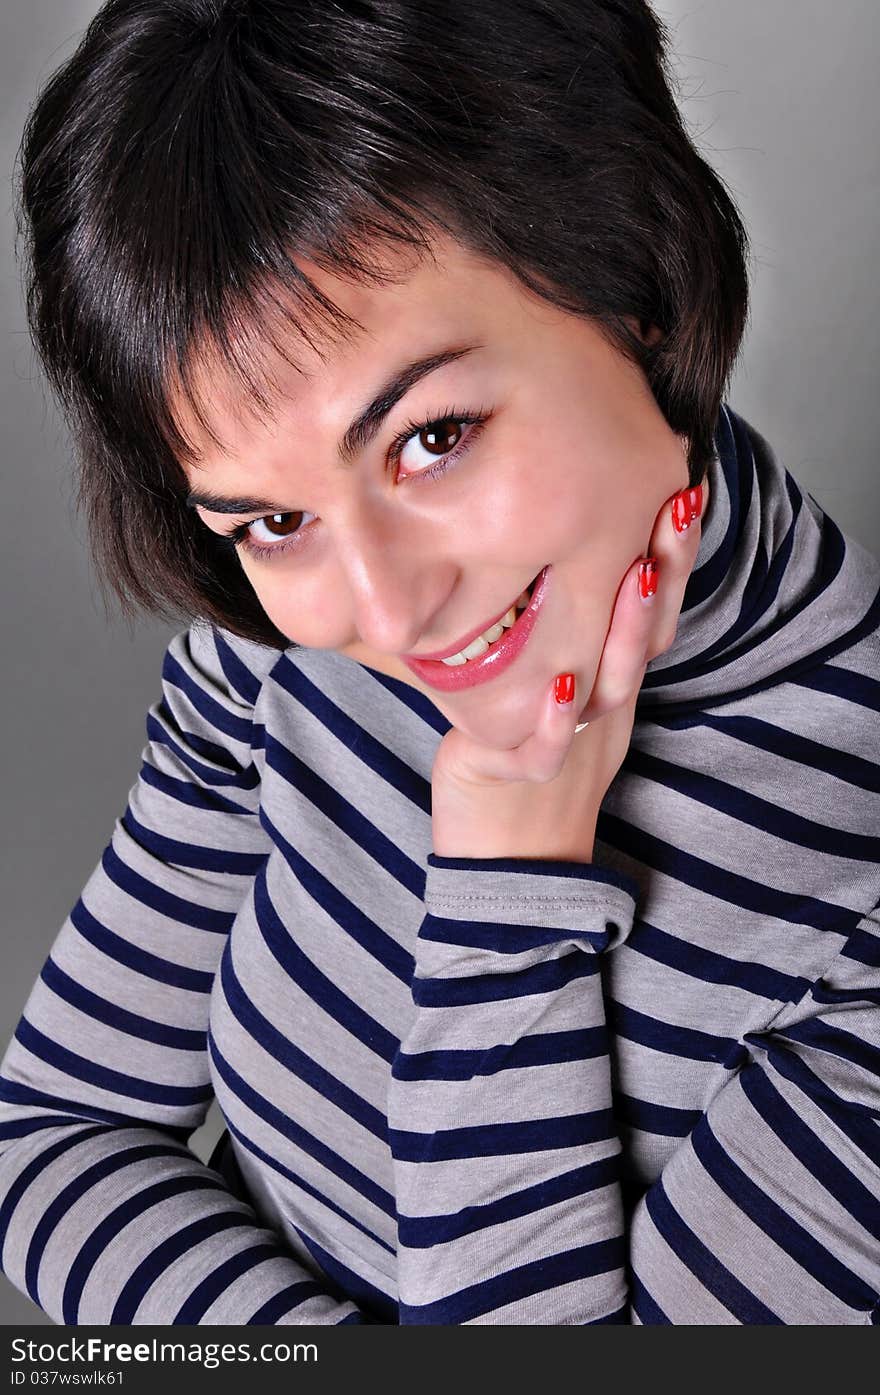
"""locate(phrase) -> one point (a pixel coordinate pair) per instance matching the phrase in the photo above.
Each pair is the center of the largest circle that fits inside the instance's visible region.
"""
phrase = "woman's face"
(375, 558)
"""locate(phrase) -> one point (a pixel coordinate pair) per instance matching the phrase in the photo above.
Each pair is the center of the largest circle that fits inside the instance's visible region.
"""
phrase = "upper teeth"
(479, 645)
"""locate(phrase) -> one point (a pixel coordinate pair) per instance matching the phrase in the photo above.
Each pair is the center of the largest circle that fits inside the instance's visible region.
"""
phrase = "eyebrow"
(363, 429)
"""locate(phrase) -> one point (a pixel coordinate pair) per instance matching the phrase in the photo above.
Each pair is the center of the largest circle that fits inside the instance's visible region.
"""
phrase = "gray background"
(779, 94)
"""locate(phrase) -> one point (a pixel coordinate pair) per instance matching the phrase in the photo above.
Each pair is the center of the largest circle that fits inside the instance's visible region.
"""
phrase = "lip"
(447, 678)
(467, 639)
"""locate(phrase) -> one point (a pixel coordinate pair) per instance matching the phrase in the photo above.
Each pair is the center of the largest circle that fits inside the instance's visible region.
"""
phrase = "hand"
(542, 798)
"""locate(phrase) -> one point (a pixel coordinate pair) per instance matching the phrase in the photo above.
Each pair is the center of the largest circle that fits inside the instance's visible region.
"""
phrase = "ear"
(648, 333)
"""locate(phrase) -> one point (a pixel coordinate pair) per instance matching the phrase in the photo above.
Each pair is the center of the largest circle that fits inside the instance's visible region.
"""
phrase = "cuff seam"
(450, 899)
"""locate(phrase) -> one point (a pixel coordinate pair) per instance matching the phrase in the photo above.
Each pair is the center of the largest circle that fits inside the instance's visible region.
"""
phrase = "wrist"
(487, 840)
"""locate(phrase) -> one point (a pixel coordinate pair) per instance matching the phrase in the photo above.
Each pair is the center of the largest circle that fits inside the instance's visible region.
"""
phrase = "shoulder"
(220, 663)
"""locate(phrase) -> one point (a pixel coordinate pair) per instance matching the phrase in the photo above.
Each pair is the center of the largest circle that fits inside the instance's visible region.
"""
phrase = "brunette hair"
(173, 167)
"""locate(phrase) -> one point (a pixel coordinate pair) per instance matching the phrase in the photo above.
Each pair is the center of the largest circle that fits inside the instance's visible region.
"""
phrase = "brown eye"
(441, 436)
(281, 525)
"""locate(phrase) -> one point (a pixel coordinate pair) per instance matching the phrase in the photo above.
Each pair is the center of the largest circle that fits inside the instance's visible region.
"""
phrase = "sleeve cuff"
(581, 901)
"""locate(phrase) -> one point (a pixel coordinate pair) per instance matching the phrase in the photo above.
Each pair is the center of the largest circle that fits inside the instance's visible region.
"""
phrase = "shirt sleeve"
(505, 1150)
(769, 1212)
(507, 1158)
(106, 1216)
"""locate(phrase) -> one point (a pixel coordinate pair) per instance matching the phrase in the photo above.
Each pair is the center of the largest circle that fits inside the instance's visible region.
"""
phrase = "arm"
(106, 1216)
(506, 1156)
(769, 1212)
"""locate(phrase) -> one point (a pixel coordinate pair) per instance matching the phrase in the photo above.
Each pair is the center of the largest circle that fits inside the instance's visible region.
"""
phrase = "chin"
(503, 724)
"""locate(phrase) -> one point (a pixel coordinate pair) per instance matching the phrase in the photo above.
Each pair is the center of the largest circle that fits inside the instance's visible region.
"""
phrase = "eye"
(271, 534)
(429, 448)
(436, 438)
(443, 439)
(278, 526)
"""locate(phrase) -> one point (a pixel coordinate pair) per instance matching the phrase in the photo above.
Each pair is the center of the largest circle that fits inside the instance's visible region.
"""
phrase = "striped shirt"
(644, 1089)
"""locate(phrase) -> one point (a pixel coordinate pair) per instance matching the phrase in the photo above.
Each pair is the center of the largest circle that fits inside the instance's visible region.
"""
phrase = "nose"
(394, 584)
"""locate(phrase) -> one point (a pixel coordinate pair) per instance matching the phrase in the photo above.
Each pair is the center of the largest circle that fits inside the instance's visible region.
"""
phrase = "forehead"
(425, 301)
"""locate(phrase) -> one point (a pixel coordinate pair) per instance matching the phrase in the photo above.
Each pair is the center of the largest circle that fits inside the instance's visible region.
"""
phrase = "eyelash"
(238, 536)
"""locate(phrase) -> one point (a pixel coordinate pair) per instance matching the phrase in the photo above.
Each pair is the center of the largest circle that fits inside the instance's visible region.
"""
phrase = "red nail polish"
(648, 577)
(686, 506)
(564, 688)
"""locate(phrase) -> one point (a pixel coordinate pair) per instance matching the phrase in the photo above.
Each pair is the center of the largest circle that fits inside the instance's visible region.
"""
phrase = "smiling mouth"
(515, 606)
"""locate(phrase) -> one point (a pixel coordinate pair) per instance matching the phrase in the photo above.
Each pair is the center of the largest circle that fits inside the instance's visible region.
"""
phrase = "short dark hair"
(173, 167)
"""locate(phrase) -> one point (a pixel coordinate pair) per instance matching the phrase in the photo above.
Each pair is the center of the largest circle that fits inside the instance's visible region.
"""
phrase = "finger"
(542, 755)
(675, 542)
(625, 652)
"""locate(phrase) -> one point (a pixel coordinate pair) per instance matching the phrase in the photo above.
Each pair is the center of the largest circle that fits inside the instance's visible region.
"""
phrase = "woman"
(390, 332)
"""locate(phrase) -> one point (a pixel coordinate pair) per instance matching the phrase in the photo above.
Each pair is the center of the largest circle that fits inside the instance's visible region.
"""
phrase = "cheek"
(300, 608)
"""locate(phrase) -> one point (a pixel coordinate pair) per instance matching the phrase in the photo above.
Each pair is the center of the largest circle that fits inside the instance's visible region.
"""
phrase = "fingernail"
(686, 506)
(648, 578)
(564, 688)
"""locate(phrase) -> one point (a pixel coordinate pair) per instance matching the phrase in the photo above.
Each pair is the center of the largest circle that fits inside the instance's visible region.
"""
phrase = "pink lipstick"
(499, 656)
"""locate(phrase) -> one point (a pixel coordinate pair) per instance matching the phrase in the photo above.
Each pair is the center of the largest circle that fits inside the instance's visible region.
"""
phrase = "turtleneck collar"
(776, 589)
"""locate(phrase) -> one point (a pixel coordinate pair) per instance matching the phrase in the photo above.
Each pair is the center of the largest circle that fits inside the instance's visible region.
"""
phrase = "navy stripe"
(377, 757)
(538, 1276)
(649, 1310)
(133, 1024)
(757, 735)
(710, 966)
(856, 1121)
(496, 1140)
(548, 977)
(584, 872)
(784, 1230)
(863, 946)
(280, 1304)
(156, 898)
(858, 688)
(11, 1092)
(21, 1128)
(362, 833)
(289, 1128)
(706, 1267)
(421, 1232)
(547, 1049)
(37, 1166)
(116, 1221)
(345, 1283)
(171, 850)
(664, 1119)
(347, 916)
(62, 1059)
(768, 816)
(159, 1260)
(211, 1287)
(246, 683)
(238, 728)
(733, 887)
(418, 703)
(140, 960)
(313, 982)
(193, 796)
(824, 1036)
(115, 1161)
(507, 939)
(688, 1042)
(302, 1185)
(190, 745)
(292, 1058)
